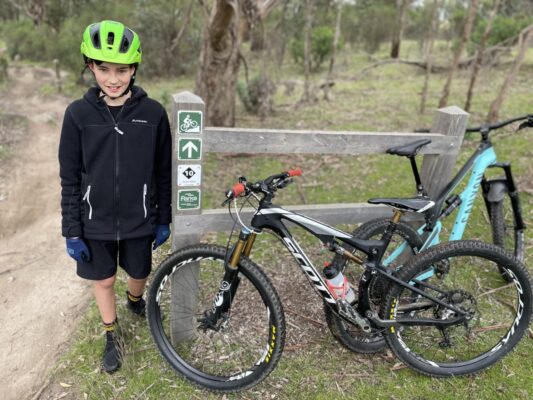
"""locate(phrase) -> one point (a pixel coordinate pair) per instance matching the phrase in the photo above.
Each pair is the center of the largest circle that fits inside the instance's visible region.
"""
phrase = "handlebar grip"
(294, 172)
(238, 189)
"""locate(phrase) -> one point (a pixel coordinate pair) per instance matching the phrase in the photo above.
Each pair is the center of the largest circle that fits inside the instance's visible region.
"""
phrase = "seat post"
(419, 186)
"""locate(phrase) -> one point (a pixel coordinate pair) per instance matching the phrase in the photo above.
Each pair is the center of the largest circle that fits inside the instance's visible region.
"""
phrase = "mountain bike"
(227, 334)
(501, 200)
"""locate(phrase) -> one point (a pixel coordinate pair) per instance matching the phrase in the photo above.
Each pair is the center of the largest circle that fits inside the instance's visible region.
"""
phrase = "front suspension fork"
(512, 191)
(230, 281)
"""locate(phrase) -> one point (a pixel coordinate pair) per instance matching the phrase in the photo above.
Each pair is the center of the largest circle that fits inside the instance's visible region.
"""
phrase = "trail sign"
(189, 199)
(189, 175)
(189, 149)
(190, 121)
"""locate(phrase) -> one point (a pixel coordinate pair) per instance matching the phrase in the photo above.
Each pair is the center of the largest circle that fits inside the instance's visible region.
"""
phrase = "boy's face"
(112, 78)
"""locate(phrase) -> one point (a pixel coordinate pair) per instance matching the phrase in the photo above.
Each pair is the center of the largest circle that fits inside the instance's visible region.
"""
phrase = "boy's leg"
(102, 271)
(136, 286)
(104, 292)
(135, 256)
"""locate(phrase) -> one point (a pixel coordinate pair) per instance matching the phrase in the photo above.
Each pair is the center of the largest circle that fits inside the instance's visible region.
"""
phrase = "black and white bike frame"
(272, 217)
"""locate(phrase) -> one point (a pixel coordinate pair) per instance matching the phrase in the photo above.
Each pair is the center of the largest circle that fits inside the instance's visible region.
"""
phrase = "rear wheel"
(404, 244)
(235, 351)
(497, 313)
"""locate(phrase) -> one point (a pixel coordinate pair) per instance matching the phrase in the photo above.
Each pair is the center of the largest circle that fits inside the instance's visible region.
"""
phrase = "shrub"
(321, 47)
(29, 41)
(256, 96)
(502, 29)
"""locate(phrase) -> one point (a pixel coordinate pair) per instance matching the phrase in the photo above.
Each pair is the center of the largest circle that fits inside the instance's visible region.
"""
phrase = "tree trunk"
(401, 6)
(258, 37)
(464, 38)
(479, 55)
(216, 78)
(429, 53)
(283, 36)
(523, 43)
(307, 48)
(329, 79)
(34, 9)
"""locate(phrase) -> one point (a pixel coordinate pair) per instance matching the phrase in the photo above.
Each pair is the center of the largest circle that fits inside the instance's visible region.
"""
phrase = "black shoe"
(137, 307)
(112, 358)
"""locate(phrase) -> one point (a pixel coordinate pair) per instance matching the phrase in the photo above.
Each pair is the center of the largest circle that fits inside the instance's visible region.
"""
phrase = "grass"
(314, 365)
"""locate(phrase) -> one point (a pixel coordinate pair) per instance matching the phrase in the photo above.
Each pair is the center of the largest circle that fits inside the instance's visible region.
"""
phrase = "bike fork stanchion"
(230, 282)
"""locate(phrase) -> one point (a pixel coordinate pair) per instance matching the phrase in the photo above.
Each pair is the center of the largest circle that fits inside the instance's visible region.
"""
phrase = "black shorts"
(134, 256)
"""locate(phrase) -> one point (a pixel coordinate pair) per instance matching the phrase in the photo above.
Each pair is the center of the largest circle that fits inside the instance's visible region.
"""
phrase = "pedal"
(348, 312)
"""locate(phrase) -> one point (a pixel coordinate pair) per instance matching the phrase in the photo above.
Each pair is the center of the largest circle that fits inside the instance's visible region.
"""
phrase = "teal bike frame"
(493, 191)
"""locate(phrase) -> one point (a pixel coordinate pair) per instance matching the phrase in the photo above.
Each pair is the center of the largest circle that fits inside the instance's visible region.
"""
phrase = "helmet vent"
(94, 35)
(127, 39)
(110, 39)
(96, 41)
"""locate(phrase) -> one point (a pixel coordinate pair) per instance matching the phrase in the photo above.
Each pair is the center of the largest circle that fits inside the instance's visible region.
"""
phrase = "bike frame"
(483, 158)
(272, 217)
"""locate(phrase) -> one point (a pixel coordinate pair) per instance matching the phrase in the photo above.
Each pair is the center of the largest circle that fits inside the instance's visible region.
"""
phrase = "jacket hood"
(92, 96)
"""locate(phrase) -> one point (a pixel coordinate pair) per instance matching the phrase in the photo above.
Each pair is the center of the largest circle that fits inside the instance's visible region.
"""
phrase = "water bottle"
(338, 284)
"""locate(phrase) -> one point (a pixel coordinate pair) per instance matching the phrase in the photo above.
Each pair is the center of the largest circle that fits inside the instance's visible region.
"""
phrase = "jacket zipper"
(115, 121)
(117, 170)
(145, 189)
(88, 200)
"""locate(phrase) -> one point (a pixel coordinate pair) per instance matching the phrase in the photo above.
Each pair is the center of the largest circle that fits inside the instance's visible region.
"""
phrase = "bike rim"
(497, 309)
(238, 351)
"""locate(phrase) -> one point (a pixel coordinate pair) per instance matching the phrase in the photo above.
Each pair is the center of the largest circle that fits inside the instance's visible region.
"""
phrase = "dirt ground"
(40, 294)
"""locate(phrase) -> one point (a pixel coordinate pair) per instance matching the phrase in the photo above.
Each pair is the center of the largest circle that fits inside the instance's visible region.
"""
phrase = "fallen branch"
(314, 321)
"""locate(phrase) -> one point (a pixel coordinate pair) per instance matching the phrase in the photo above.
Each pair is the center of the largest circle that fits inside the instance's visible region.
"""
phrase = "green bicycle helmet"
(111, 41)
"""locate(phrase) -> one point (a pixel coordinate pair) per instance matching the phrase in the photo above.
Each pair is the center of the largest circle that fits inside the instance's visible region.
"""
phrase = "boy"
(115, 169)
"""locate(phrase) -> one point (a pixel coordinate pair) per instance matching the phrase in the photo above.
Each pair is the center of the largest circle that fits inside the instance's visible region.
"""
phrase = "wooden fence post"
(437, 169)
(187, 130)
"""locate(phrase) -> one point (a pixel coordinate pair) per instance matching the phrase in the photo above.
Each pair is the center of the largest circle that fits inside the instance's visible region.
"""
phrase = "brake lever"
(228, 198)
(284, 183)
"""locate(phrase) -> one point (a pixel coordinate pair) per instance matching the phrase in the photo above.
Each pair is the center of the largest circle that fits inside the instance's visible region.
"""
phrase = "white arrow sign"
(189, 148)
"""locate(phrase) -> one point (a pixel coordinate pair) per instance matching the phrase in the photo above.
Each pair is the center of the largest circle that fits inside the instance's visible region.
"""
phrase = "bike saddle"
(410, 149)
(417, 204)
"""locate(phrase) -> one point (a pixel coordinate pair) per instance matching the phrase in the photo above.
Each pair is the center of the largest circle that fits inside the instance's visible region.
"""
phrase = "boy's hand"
(77, 249)
(162, 232)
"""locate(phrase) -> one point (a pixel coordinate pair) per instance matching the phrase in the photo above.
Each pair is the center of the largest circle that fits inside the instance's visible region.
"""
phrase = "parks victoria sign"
(189, 199)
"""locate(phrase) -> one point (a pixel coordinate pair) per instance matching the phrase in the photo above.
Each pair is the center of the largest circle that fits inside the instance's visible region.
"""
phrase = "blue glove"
(77, 249)
(162, 232)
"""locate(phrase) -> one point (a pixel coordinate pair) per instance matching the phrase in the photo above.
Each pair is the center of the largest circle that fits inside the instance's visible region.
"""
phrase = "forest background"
(382, 65)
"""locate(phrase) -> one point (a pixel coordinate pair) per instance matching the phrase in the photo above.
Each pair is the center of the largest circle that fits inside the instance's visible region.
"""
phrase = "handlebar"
(486, 128)
(498, 125)
(267, 187)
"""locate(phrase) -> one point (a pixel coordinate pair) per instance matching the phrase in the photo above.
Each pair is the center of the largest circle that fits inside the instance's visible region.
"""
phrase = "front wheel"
(233, 352)
(497, 313)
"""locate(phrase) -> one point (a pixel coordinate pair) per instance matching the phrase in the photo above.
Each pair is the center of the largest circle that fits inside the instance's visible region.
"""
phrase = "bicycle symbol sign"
(190, 121)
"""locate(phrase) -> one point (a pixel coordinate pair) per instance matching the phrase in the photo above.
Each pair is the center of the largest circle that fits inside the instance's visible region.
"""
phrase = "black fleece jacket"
(115, 176)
